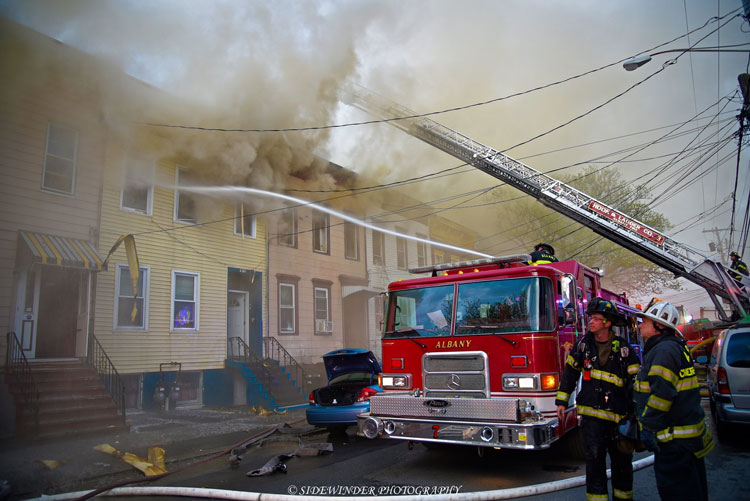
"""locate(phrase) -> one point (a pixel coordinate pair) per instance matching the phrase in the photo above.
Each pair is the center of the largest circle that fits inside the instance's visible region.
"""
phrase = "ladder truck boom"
(649, 243)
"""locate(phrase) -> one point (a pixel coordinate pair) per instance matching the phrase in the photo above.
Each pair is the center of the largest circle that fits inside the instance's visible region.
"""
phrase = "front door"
(58, 327)
(237, 325)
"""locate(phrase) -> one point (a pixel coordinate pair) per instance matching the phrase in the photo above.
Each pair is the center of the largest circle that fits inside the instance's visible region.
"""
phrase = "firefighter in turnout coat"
(607, 366)
(668, 406)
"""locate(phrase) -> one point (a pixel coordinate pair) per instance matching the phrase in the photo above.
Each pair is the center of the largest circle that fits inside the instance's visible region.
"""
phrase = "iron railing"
(17, 365)
(239, 351)
(98, 358)
(273, 349)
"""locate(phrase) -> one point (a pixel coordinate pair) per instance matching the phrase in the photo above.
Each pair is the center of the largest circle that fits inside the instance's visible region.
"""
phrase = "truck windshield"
(420, 312)
(515, 305)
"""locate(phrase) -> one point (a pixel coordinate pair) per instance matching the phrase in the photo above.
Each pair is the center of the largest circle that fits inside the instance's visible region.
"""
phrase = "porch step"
(73, 401)
(76, 427)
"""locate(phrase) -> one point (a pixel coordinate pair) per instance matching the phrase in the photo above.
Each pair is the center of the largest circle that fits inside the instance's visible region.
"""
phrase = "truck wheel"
(573, 442)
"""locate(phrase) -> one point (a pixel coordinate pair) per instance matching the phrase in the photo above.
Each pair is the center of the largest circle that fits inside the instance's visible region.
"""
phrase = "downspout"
(266, 325)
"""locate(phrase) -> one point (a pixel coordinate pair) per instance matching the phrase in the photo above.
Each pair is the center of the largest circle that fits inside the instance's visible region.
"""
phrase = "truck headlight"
(396, 381)
(517, 382)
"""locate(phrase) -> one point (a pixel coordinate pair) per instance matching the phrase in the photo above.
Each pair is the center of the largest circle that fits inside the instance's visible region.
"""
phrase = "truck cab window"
(420, 312)
(517, 305)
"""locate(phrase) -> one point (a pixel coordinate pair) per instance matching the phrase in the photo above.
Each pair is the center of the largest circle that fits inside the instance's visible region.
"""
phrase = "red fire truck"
(473, 354)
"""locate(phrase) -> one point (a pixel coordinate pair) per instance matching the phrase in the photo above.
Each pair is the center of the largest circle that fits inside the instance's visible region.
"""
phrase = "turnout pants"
(599, 438)
(679, 474)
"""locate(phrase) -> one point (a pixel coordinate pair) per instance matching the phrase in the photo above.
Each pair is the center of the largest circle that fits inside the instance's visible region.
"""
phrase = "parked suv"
(729, 377)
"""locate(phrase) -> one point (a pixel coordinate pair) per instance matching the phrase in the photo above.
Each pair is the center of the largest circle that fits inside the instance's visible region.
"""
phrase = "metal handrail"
(98, 358)
(274, 350)
(239, 351)
(17, 365)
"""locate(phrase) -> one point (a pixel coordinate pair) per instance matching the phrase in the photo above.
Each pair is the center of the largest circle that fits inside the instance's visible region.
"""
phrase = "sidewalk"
(183, 434)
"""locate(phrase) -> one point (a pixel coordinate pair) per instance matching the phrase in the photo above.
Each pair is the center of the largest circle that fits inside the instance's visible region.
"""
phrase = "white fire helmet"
(662, 313)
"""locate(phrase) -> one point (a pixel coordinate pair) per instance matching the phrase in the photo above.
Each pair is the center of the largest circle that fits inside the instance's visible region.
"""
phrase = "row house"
(214, 275)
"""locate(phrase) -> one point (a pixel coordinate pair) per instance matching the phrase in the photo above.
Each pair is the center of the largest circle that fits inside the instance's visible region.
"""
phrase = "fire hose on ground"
(199, 492)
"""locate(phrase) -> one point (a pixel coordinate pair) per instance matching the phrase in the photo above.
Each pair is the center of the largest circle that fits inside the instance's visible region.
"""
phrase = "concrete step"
(70, 408)
(96, 425)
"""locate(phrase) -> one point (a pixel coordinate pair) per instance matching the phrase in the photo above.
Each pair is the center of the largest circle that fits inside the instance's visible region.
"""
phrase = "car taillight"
(311, 398)
(722, 381)
(365, 394)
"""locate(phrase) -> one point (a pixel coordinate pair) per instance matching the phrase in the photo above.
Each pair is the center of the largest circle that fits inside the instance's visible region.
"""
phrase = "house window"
(401, 254)
(244, 221)
(287, 228)
(185, 209)
(378, 248)
(323, 324)
(287, 308)
(138, 192)
(351, 241)
(125, 298)
(185, 301)
(320, 231)
(438, 257)
(421, 252)
(59, 174)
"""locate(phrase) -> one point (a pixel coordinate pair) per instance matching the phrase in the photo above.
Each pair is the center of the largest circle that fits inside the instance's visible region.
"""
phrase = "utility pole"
(719, 244)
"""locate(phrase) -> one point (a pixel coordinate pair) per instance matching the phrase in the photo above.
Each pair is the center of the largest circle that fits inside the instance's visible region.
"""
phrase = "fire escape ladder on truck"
(649, 243)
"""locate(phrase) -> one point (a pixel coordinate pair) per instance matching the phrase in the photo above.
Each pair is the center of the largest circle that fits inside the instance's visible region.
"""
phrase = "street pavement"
(189, 435)
(184, 434)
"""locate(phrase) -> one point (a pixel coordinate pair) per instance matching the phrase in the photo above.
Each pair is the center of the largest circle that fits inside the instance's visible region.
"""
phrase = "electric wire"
(731, 14)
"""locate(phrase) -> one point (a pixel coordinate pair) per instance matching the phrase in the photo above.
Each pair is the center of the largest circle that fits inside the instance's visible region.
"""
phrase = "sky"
(281, 64)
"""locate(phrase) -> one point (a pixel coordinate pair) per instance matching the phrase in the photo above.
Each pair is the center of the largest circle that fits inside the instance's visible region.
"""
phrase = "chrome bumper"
(530, 436)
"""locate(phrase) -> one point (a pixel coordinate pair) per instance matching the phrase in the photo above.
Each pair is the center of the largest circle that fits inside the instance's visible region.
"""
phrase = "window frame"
(402, 242)
(354, 229)
(289, 233)
(323, 286)
(237, 218)
(177, 195)
(149, 197)
(421, 251)
(196, 299)
(438, 256)
(73, 161)
(378, 248)
(317, 231)
(293, 284)
(146, 273)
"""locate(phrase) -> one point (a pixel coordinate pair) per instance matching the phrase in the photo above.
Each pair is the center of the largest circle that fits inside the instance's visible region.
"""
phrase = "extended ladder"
(647, 242)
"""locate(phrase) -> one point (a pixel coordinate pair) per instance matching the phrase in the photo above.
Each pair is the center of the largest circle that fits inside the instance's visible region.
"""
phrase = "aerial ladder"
(680, 259)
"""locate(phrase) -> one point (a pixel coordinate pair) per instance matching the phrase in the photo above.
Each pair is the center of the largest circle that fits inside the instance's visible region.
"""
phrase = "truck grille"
(456, 374)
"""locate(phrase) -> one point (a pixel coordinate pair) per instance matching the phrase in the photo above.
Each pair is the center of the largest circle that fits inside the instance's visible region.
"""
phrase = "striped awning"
(62, 251)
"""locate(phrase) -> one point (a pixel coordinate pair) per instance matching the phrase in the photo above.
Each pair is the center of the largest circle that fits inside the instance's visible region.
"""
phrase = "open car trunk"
(339, 394)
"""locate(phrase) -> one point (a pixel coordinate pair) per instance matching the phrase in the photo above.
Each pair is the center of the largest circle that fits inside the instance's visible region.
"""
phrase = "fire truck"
(473, 354)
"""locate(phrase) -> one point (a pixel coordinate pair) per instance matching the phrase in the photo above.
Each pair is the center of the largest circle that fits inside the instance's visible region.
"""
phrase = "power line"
(457, 108)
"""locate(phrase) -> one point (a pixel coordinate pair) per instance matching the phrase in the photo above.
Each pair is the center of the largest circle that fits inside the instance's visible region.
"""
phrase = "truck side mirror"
(565, 315)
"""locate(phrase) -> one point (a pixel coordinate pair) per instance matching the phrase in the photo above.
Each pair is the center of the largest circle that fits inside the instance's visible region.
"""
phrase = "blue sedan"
(352, 380)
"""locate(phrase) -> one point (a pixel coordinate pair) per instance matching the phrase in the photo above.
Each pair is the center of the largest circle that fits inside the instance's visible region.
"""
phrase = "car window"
(738, 350)
(355, 377)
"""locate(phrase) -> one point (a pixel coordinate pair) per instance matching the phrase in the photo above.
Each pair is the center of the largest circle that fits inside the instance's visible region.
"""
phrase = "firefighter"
(668, 406)
(607, 365)
(543, 254)
(739, 267)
